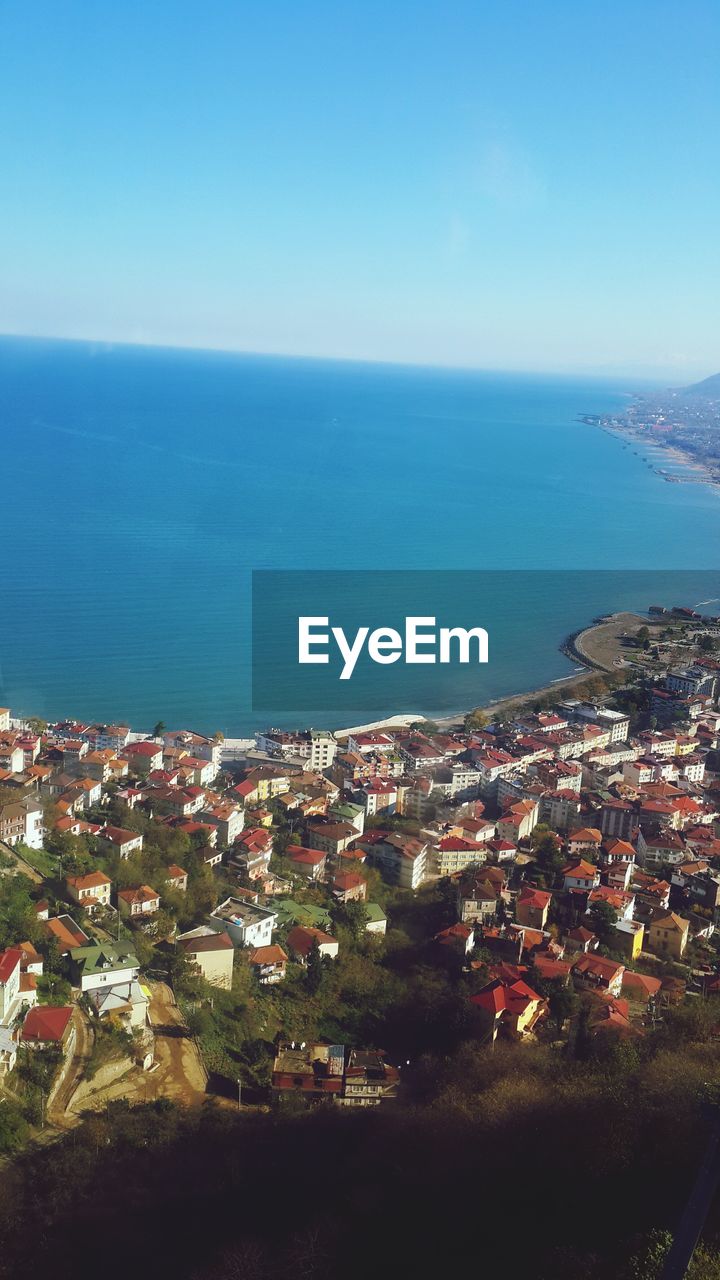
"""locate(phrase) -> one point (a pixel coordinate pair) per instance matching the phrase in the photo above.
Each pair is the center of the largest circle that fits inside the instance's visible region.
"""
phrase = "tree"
(352, 916)
(475, 720)
(602, 919)
(563, 1003)
(315, 969)
(159, 729)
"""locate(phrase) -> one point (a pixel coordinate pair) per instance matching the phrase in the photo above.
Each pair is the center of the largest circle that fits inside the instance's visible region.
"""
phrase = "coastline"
(591, 646)
(641, 439)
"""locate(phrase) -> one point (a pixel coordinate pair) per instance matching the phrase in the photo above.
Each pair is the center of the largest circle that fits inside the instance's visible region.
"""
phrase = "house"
(455, 853)
(315, 1070)
(142, 901)
(622, 903)
(32, 961)
(580, 875)
(668, 935)
(599, 973)
(176, 877)
(401, 859)
(518, 821)
(228, 819)
(302, 938)
(355, 1077)
(213, 953)
(46, 1024)
(368, 1079)
(349, 886)
(211, 857)
(269, 964)
(640, 987)
(532, 907)
(90, 891)
(333, 837)
(65, 933)
(127, 1001)
(247, 924)
(376, 919)
(310, 863)
(586, 840)
(252, 851)
(8, 1049)
(10, 962)
(628, 937)
(511, 1004)
(477, 898)
(103, 965)
(143, 757)
(457, 937)
(118, 840)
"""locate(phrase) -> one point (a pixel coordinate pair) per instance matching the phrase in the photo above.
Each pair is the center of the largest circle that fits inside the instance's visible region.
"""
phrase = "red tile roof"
(46, 1023)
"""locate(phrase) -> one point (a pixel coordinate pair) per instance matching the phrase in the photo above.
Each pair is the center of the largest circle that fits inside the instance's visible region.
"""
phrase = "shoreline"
(573, 646)
(640, 438)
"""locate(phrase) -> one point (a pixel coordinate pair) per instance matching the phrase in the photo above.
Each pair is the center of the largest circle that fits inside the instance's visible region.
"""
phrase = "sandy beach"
(597, 648)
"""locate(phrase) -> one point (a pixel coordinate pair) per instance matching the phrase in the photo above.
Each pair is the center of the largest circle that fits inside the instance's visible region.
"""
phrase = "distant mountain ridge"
(709, 388)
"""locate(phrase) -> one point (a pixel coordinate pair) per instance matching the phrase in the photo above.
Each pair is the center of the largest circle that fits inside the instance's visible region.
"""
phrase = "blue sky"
(527, 184)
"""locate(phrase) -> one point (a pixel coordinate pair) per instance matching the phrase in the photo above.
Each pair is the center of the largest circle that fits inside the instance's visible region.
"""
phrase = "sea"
(142, 486)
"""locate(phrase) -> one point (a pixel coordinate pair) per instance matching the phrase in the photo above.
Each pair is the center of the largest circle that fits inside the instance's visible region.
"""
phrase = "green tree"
(315, 971)
(602, 919)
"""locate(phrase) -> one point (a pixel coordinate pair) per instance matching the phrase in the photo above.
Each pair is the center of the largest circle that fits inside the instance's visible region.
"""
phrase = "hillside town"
(302, 924)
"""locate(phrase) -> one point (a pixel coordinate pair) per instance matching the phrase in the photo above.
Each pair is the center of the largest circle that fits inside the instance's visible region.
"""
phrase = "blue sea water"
(141, 486)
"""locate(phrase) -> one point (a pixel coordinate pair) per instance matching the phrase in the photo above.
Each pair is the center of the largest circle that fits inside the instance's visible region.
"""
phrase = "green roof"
(101, 957)
(291, 912)
(374, 913)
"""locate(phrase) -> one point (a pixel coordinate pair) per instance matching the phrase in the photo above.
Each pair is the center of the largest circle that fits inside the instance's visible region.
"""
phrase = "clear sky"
(526, 184)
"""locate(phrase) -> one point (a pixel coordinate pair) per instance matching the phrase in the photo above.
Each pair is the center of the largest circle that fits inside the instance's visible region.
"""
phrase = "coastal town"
(304, 923)
(675, 432)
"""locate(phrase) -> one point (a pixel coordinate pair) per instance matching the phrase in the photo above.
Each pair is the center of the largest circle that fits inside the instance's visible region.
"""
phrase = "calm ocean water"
(141, 487)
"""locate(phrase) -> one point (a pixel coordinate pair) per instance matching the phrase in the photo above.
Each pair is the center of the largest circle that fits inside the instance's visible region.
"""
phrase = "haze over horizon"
(409, 183)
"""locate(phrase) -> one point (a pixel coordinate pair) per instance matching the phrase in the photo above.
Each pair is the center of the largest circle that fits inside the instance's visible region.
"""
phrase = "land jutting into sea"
(680, 426)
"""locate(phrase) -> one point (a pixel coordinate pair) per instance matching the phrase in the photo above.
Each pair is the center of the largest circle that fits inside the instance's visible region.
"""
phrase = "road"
(73, 1073)
(22, 866)
(180, 1074)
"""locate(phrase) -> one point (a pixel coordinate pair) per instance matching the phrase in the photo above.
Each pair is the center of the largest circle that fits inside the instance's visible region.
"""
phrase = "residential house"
(580, 875)
(116, 839)
(269, 964)
(213, 953)
(310, 863)
(142, 901)
(49, 1025)
(668, 935)
(302, 938)
(599, 973)
(102, 965)
(349, 886)
(583, 842)
(65, 933)
(401, 859)
(512, 1006)
(90, 891)
(532, 907)
(247, 924)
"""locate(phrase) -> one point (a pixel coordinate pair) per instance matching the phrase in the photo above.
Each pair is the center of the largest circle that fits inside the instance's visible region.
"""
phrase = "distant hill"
(709, 388)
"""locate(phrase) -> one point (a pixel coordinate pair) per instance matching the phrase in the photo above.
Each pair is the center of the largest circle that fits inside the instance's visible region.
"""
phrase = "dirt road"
(180, 1074)
(58, 1113)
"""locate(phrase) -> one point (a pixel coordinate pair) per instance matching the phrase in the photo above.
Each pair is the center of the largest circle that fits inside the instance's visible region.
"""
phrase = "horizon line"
(587, 371)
